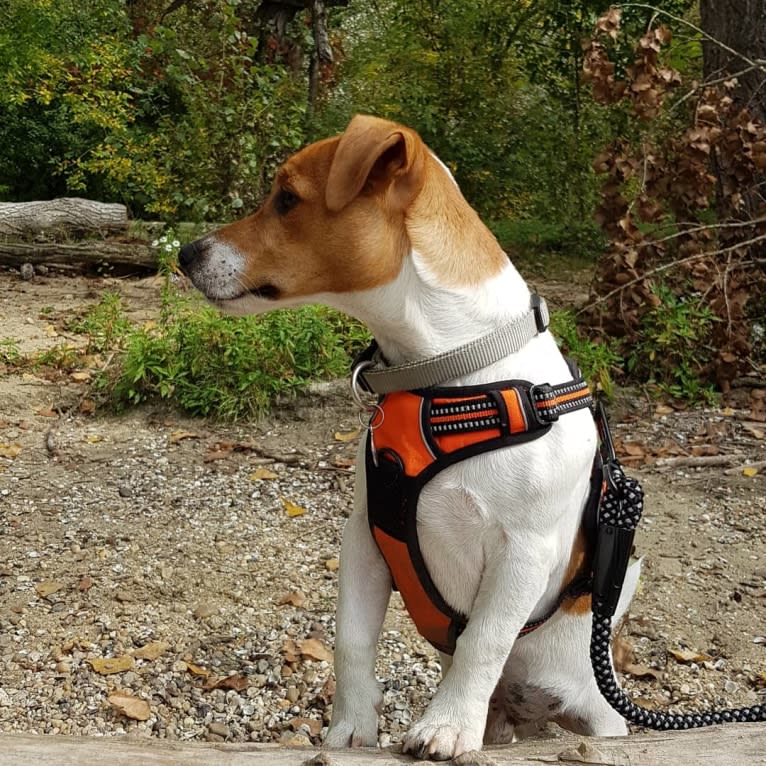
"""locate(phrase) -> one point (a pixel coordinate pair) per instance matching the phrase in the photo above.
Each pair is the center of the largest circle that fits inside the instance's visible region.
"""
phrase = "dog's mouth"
(267, 291)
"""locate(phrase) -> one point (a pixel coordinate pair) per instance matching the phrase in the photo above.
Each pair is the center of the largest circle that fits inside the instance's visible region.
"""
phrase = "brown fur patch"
(579, 564)
(407, 200)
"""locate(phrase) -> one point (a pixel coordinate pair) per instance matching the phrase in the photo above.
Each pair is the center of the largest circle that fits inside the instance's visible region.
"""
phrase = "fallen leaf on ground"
(290, 651)
(152, 650)
(292, 509)
(87, 407)
(197, 670)
(343, 462)
(130, 706)
(212, 455)
(9, 450)
(46, 412)
(80, 377)
(332, 564)
(107, 665)
(641, 671)
(94, 439)
(663, 409)
(346, 436)
(327, 692)
(749, 471)
(633, 449)
(48, 588)
(294, 598)
(262, 473)
(687, 655)
(236, 682)
(315, 650)
(177, 436)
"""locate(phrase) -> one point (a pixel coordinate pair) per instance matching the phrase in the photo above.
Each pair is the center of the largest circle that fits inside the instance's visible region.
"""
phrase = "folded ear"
(376, 155)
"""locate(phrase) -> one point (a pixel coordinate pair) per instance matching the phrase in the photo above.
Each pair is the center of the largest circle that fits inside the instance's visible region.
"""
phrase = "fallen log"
(66, 215)
(87, 253)
(732, 745)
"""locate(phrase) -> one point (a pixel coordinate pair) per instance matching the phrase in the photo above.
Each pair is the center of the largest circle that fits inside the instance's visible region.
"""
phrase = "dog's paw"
(355, 731)
(440, 740)
(355, 718)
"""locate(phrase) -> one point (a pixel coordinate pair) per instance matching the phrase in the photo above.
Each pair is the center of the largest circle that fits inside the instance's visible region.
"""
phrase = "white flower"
(168, 248)
(163, 240)
(155, 243)
(176, 243)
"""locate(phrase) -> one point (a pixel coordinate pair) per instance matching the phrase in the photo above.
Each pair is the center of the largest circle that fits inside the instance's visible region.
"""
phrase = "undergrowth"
(224, 367)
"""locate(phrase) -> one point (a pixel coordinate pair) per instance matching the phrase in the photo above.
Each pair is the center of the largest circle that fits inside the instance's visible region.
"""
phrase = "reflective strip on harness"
(420, 434)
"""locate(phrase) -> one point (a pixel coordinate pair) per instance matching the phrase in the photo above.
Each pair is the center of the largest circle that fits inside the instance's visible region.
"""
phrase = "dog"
(372, 223)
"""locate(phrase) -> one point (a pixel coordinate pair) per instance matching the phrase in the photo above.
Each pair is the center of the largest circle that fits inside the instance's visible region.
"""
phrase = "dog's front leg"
(455, 720)
(364, 591)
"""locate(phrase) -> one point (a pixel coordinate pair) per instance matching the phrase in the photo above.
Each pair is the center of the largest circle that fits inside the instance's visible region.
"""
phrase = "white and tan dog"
(372, 223)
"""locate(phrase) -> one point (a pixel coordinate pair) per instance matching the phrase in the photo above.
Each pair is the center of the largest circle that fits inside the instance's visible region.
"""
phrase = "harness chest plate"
(418, 435)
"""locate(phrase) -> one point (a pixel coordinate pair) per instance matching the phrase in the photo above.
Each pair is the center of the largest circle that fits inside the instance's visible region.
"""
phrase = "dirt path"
(204, 558)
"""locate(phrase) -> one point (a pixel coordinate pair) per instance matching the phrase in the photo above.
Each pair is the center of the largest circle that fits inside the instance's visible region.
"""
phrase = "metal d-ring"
(376, 419)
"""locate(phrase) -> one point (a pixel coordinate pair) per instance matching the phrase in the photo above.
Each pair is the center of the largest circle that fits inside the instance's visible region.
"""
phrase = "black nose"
(188, 254)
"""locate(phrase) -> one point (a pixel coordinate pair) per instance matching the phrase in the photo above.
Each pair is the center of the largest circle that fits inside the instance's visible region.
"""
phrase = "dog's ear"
(376, 155)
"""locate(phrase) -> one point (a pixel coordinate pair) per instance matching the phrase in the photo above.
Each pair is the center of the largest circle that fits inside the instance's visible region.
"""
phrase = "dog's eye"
(285, 201)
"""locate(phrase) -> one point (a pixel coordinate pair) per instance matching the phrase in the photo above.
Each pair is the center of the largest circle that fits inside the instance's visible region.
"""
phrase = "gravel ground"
(202, 561)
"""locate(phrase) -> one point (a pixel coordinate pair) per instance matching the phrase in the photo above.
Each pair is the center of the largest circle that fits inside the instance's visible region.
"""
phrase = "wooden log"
(63, 215)
(88, 253)
(732, 745)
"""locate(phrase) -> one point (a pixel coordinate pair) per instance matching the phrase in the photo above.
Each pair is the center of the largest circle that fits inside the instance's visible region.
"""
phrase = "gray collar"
(373, 373)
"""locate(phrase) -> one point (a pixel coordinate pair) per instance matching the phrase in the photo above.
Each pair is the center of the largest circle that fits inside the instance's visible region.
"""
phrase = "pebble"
(219, 730)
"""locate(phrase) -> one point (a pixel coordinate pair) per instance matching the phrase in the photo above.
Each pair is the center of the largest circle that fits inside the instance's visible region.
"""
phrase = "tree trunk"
(741, 26)
(732, 745)
(81, 254)
(67, 215)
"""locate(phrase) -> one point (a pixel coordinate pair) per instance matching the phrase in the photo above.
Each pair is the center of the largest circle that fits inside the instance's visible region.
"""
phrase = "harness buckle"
(539, 393)
(540, 310)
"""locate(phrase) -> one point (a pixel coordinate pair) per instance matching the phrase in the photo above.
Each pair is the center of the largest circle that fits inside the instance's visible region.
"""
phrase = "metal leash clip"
(375, 411)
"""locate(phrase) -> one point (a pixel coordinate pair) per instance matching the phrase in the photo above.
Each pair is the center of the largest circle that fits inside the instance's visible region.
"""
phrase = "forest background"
(631, 138)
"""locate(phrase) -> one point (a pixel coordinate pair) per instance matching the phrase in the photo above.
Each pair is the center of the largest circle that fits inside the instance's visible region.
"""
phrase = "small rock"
(292, 694)
(41, 269)
(294, 739)
(205, 610)
(124, 490)
(27, 271)
(219, 729)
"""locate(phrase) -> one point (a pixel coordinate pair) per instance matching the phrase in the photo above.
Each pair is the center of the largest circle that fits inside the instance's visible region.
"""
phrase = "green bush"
(226, 367)
(598, 361)
(675, 346)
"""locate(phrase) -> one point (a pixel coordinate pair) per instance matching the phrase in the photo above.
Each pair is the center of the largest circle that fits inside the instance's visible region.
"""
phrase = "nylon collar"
(376, 376)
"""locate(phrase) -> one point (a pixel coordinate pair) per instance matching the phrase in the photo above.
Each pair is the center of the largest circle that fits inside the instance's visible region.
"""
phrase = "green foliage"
(179, 120)
(674, 349)
(225, 367)
(530, 237)
(598, 361)
(105, 324)
(10, 354)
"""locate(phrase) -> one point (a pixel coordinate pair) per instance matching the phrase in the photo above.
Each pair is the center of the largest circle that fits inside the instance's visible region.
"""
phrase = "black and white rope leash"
(619, 514)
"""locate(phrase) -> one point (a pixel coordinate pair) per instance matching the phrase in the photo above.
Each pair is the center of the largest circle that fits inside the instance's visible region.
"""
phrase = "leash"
(619, 513)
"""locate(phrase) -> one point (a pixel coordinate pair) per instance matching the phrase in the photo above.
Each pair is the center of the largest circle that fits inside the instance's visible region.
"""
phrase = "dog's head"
(342, 216)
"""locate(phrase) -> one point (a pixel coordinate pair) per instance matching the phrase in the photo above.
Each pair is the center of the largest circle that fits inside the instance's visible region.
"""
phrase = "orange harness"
(418, 434)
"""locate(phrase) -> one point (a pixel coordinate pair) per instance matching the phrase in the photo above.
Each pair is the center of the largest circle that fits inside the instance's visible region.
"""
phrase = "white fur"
(496, 530)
